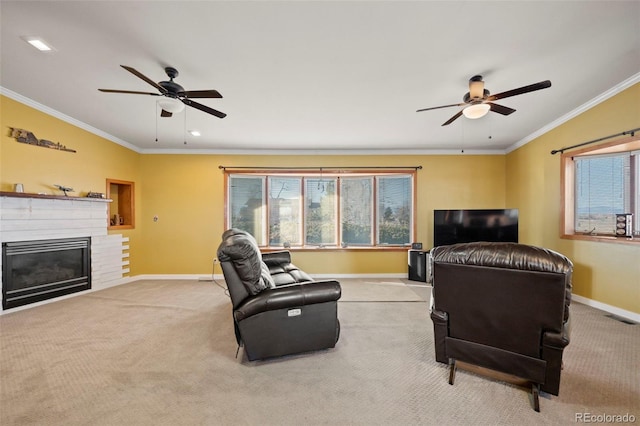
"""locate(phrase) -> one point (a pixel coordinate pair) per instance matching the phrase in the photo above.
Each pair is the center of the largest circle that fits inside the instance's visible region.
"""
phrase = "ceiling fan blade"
(145, 78)
(203, 108)
(452, 119)
(500, 109)
(200, 94)
(521, 90)
(438, 107)
(128, 91)
(165, 114)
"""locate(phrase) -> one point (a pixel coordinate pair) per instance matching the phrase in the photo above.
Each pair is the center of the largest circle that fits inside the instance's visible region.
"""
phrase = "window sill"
(602, 238)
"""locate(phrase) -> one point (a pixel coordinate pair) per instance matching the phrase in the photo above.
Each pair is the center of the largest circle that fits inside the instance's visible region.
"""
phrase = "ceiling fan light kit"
(171, 105)
(478, 101)
(476, 111)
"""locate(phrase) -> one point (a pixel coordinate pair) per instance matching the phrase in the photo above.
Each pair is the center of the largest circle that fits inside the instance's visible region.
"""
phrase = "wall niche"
(122, 208)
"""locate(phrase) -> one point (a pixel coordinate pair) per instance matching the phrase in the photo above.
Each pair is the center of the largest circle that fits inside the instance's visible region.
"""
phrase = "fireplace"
(33, 271)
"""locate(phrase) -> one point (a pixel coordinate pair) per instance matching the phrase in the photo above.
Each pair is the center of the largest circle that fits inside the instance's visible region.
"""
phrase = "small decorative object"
(117, 220)
(25, 136)
(92, 194)
(624, 225)
(64, 189)
(19, 187)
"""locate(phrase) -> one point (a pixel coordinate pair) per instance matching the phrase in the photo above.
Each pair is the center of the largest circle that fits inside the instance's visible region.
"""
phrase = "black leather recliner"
(504, 307)
(277, 308)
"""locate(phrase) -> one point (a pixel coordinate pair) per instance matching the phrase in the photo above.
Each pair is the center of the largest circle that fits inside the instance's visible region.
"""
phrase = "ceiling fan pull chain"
(156, 114)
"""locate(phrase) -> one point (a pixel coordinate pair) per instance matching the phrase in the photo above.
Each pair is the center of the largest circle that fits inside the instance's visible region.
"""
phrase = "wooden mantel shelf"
(51, 197)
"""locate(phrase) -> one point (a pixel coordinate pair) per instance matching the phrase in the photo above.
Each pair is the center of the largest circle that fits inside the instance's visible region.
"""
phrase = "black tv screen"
(466, 226)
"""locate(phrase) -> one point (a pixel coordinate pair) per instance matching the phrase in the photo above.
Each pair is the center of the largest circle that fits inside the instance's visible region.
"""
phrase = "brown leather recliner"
(504, 307)
(277, 308)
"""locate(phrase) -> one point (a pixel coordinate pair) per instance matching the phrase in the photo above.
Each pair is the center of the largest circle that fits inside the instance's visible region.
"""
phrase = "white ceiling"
(318, 76)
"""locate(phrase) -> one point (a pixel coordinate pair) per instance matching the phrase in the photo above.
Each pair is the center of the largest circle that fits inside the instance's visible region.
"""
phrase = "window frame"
(326, 173)
(568, 185)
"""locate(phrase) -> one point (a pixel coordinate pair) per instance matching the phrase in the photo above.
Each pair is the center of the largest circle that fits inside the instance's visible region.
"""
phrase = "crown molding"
(572, 114)
(57, 114)
(282, 152)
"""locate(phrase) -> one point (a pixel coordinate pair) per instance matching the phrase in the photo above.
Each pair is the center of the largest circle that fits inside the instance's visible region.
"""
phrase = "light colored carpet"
(379, 290)
(163, 353)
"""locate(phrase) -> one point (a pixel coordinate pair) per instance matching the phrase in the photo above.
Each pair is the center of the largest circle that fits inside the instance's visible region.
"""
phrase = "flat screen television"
(466, 226)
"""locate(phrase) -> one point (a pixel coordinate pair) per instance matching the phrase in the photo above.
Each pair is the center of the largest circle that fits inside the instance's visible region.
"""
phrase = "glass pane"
(394, 210)
(246, 205)
(285, 211)
(602, 190)
(320, 211)
(356, 196)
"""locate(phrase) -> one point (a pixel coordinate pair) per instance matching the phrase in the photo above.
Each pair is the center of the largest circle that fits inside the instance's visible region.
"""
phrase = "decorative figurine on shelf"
(92, 194)
(25, 136)
(64, 189)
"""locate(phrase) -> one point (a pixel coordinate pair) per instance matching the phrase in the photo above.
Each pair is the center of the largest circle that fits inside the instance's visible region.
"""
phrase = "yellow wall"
(38, 169)
(186, 192)
(606, 272)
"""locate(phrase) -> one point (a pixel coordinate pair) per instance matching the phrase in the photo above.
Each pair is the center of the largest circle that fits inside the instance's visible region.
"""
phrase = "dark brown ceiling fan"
(478, 101)
(176, 96)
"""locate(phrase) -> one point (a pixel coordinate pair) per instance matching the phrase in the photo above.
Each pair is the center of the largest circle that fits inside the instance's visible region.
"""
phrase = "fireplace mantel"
(51, 197)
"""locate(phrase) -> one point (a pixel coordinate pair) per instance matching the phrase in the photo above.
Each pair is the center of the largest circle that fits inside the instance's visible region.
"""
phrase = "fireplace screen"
(38, 270)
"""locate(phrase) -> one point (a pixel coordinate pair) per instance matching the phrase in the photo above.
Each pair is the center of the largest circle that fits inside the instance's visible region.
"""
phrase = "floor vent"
(621, 319)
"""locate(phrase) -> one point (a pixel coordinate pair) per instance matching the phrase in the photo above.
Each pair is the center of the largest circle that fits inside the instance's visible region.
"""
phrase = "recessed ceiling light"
(38, 43)
(194, 133)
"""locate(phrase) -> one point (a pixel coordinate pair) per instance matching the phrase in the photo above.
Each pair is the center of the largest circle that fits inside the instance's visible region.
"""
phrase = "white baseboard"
(199, 277)
(337, 276)
(207, 277)
(633, 316)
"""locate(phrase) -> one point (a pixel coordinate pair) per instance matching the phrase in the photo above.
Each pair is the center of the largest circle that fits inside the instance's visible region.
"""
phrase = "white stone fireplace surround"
(32, 217)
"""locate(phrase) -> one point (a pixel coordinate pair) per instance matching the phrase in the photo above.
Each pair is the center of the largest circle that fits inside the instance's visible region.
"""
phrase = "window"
(356, 214)
(285, 211)
(600, 183)
(246, 203)
(328, 209)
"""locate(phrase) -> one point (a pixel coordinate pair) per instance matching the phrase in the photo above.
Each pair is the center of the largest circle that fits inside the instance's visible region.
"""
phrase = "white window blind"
(603, 189)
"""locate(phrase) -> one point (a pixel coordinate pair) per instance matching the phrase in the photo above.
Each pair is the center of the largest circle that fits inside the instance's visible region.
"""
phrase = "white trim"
(207, 277)
(52, 112)
(572, 114)
(635, 317)
(359, 276)
(196, 277)
(588, 105)
(326, 152)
